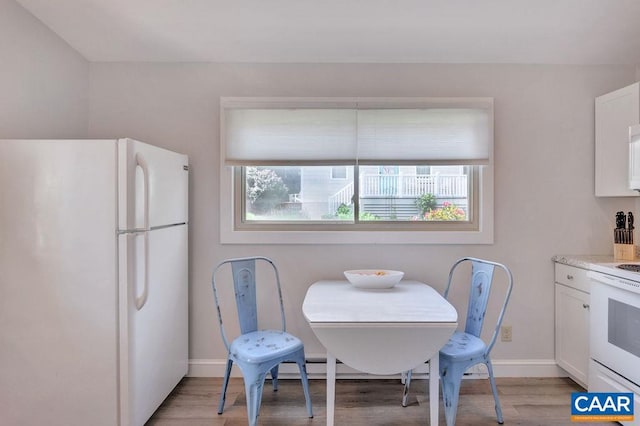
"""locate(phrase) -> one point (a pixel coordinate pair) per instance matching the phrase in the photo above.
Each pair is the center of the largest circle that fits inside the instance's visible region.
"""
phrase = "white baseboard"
(316, 369)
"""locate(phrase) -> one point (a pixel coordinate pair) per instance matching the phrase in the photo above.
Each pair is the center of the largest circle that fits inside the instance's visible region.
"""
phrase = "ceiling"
(389, 31)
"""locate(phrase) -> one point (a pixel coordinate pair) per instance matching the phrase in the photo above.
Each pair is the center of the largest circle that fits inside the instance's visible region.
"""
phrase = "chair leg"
(225, 383)
(405, 392)
(305, 385)
(274, 377)
(494, 389)
(451, 376)
(253, 385)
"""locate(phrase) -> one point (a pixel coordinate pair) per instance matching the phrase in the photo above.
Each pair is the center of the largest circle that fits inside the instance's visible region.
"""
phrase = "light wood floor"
(525, 401)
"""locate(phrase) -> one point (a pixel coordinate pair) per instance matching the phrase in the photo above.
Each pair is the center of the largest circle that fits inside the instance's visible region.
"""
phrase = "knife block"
(624, 251)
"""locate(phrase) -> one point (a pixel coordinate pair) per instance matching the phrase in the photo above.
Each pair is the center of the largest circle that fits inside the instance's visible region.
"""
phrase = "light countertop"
(604, 264)
(583, 261)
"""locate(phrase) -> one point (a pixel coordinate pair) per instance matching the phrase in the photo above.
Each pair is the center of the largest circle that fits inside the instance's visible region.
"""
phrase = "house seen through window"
(385, 193)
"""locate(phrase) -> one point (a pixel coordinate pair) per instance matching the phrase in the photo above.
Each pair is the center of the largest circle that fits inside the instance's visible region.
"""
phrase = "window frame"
(234, 231)
(242, 223)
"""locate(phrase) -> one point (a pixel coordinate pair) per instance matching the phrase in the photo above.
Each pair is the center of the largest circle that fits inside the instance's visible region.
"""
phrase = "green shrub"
(345, 212)
(426, 202)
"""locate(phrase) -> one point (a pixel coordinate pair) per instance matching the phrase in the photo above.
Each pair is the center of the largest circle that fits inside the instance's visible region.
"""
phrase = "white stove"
(615, 330)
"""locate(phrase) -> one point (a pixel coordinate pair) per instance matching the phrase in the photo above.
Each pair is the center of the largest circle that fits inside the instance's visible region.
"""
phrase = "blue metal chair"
(257, 352)
(466, 349)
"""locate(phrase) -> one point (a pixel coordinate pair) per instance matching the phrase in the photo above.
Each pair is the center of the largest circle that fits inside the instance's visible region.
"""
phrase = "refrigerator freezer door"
(153, 186)
(58, 292)
(154, 340)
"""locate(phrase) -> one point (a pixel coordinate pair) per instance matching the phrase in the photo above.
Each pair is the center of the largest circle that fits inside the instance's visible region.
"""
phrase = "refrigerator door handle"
(142, 299)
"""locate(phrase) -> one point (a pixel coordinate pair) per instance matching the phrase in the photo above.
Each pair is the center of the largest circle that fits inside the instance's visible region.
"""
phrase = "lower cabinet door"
(572, 332)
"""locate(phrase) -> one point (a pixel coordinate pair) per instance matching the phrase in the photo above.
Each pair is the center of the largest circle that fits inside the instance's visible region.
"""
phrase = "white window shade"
(417, 131)
(301, 136)
(430, 136)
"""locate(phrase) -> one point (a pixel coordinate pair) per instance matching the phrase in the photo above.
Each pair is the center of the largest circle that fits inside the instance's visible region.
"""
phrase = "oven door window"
(624, 326)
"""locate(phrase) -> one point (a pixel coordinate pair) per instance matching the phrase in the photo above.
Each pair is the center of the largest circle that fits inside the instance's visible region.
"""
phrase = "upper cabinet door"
(615, 112)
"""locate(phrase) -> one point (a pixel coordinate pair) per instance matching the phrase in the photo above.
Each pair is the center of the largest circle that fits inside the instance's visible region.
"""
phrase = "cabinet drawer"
(573, 277)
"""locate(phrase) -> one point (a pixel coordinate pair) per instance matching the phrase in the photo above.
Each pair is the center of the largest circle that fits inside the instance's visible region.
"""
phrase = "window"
(423, 170)
(339, 172)
(389, 193)
(357, 170)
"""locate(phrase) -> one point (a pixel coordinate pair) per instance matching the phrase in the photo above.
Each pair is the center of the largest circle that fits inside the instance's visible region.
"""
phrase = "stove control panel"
(615, 281)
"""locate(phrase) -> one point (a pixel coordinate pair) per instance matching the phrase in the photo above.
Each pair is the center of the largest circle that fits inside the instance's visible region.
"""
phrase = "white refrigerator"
(93, 280)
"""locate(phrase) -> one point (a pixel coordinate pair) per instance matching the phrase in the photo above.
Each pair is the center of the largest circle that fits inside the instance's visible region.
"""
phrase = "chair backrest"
(243, 272)
(482, 272)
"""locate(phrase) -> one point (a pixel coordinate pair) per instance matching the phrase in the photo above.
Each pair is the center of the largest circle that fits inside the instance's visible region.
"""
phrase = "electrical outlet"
(505, 333)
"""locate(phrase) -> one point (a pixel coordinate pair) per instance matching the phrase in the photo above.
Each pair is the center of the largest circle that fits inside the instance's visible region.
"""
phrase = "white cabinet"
(615, 112)
(572, 321)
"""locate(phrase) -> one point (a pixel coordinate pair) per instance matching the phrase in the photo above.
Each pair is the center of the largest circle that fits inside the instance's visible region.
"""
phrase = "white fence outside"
(403, 186)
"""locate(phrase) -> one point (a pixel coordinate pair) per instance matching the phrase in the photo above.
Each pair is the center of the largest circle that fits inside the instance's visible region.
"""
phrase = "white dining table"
(382, 331)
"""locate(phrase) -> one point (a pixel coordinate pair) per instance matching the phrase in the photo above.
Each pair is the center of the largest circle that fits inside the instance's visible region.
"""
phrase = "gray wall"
(43, 81)
(544, 202)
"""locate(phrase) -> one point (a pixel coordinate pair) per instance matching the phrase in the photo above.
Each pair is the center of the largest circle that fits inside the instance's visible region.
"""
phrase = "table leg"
(434, 396)
(331, 387)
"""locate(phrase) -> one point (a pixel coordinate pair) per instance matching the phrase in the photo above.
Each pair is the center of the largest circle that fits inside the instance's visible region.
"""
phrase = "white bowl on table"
(373, 278)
